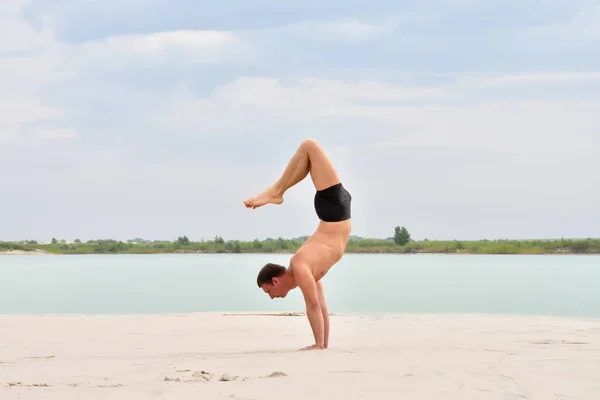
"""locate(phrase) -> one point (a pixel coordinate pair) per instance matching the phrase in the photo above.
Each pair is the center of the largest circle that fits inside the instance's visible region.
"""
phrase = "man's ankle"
(278, 189)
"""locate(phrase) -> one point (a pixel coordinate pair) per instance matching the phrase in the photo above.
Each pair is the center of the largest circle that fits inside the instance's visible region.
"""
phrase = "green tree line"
(399, 242)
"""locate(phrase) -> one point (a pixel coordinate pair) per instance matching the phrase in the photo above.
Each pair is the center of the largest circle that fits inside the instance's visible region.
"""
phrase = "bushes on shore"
(280, 245)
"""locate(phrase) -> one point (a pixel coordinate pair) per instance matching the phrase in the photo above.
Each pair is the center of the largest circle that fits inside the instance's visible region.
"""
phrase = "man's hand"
(313, 347)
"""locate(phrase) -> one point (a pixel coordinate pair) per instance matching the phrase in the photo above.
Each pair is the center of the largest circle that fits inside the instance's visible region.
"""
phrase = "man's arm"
(325, 313)
(308, 286)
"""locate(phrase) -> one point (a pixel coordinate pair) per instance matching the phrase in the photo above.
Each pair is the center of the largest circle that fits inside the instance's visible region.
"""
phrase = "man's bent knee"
(310, 144)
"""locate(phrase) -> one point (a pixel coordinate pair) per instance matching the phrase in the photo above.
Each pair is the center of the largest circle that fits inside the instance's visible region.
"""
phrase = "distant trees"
(183, 240)
(401, 236)
(401, 242)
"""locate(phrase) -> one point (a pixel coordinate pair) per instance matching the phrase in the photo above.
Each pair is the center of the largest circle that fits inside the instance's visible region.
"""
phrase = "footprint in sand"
(275, 374)
(227, 377)
(204, 376)
(197, 376)
(9, 384)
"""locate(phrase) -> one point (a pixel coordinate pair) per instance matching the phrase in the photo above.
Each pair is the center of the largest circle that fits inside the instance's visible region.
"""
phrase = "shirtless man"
(323, 249)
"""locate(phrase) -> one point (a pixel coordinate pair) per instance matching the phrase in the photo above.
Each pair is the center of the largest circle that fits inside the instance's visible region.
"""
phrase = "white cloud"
(272, 102)
(544, 128)
(199, 46)
(159, 49)
(57, 133)
(314, 92)
(508, 140)
(15, 34)
(348, 30)
(26, 118)
(28, 65)
(585, 22)
(582, 25)
(35, 62)
(537, 77)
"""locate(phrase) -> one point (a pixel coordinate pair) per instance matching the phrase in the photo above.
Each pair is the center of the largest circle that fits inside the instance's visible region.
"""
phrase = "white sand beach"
(36, 252)
(245, 356)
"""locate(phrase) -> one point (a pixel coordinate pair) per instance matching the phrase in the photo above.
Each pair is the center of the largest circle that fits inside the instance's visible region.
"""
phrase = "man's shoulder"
(301, 271)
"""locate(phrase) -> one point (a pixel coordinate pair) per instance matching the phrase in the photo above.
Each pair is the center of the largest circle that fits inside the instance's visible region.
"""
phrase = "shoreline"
(302, 315)
(399, 253)
(241, 355)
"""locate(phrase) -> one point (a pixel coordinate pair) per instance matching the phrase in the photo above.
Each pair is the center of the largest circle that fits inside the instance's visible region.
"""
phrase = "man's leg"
(309, 158)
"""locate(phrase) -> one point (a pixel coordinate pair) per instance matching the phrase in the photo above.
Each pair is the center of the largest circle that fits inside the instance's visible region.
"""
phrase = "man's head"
(272, 279)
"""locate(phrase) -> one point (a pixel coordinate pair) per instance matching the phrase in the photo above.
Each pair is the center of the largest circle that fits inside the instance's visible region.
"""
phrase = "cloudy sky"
(152, 118)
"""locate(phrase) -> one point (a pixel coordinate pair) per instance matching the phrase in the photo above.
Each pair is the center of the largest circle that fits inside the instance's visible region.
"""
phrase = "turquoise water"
(119, 284)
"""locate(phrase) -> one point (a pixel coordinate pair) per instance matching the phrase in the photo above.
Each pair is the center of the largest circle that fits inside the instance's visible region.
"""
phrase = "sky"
(155, 119)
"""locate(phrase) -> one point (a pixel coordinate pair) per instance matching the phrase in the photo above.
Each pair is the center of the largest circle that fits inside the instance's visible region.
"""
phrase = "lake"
(562, 285)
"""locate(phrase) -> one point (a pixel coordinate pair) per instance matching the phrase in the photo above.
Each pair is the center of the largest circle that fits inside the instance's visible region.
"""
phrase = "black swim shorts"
(333, 203)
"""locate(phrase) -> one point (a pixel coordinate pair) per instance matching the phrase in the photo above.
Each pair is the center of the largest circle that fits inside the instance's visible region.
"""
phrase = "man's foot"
(269, 196)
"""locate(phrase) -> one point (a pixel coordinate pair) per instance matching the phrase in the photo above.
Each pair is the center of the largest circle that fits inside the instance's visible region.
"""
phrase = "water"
(128, 284)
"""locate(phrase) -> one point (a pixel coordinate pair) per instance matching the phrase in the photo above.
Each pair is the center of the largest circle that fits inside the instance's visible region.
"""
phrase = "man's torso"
(324, 248)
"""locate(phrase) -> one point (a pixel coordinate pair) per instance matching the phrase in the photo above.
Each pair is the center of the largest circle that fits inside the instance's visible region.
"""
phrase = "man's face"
(274, 290)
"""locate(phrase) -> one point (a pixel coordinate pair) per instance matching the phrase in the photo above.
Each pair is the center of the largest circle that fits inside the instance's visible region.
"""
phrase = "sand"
(36, 252)
(245, 356)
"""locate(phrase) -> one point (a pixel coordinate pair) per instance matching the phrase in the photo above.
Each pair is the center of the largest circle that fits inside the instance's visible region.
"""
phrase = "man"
(323, 249)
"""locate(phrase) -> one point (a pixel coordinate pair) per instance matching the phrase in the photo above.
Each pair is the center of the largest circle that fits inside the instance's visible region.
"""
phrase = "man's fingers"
(313, 347)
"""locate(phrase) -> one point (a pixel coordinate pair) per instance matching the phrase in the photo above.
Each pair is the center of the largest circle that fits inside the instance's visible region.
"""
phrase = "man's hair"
(268, 272)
